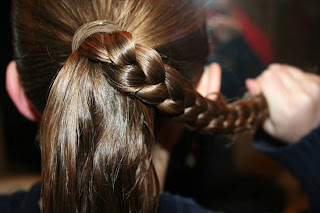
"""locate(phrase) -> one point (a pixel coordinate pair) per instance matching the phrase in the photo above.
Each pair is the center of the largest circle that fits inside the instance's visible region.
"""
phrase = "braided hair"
(98, 86)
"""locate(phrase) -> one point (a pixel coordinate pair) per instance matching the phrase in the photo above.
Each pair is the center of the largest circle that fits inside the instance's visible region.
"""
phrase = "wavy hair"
(99, 100)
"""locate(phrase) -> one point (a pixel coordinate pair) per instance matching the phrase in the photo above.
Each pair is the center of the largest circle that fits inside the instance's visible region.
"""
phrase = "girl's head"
(43, 32)
(97, 72)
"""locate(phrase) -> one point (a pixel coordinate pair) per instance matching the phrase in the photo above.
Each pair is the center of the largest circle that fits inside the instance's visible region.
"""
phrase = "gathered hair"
(98, 94)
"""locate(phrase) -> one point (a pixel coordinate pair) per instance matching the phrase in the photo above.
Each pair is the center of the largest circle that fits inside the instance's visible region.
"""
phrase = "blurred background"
(244, 37)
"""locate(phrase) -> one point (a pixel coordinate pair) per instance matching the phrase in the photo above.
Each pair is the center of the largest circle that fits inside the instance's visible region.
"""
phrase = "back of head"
(97, 71)
(97, 119)
(43, 32)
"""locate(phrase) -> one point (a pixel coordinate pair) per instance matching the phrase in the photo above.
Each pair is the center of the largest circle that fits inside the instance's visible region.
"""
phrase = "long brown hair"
(98, 102)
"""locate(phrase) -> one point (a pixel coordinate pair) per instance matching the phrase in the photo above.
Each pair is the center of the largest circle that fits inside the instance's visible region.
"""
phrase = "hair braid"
(138, 71)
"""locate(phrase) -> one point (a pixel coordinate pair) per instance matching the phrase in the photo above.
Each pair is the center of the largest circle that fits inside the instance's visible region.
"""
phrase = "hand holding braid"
(138, 71)
(293, 97)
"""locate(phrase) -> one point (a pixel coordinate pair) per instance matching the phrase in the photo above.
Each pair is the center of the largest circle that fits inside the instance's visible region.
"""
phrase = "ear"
(17, 94)
(210, 81)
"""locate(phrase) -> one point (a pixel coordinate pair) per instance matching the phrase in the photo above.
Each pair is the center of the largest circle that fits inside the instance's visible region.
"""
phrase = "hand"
(293, 99)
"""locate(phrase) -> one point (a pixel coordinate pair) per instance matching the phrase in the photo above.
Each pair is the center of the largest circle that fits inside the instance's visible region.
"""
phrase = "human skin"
(293, 98)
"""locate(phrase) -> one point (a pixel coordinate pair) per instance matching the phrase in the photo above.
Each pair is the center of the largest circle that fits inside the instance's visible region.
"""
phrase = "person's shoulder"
(22, 201)
(170, 203)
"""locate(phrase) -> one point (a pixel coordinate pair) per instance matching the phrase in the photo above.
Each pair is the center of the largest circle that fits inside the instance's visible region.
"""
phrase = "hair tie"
(88, 29)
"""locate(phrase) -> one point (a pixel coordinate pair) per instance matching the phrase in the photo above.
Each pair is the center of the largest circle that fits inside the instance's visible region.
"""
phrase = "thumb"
(253, 86)
(269, 127)
(210, 82)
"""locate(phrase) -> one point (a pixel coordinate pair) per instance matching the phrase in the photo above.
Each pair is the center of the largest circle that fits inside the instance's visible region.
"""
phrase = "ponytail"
(95, 142)
(97, 128)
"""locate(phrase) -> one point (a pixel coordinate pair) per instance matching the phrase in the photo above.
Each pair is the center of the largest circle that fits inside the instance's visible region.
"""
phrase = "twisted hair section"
(139, 72)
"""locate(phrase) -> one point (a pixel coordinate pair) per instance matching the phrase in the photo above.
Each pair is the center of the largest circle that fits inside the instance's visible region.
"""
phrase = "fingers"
(293, 98)
(286, 77)
(295, 72)
(214, 78)
(297, 81)
(272, 86)
(253, 87)
(313, 85)
(210, 82)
